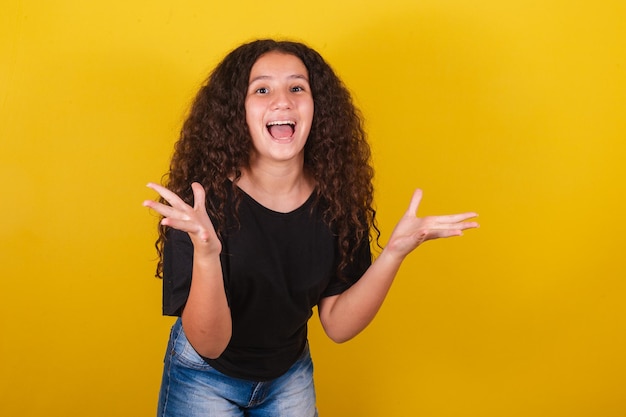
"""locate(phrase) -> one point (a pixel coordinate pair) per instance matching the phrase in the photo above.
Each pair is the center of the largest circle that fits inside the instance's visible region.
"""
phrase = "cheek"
(306, 108)
(250, 118)
(310, 113)
(254, 113)
(255, 125)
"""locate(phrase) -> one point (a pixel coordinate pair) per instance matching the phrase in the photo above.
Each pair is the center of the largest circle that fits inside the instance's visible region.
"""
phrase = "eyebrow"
(267, 77)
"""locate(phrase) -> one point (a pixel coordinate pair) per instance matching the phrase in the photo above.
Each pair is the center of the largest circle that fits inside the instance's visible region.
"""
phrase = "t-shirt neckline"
(298, 209)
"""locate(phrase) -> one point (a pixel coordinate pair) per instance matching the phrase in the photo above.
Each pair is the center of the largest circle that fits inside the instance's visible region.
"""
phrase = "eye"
(297, 89)
(262, 90)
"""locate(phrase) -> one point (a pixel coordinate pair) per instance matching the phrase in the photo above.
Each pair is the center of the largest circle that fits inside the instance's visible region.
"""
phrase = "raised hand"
(193, 220)
(411, 231)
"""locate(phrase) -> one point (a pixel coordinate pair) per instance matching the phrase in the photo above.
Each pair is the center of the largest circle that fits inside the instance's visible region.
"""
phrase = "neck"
(276, 178)
(279, 188)
(274, 182)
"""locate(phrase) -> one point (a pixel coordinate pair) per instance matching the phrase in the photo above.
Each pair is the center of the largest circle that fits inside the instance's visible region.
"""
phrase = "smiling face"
(279, 108)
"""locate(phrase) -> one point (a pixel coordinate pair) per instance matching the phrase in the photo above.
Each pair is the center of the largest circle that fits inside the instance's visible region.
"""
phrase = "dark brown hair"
(215, 144)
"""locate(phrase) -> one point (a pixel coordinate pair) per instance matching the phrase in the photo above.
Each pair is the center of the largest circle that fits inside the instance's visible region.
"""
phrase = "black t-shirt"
(276, 268)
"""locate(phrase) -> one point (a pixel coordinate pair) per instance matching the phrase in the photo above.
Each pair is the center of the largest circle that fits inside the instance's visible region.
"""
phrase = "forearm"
(346, 315)
(206, 317)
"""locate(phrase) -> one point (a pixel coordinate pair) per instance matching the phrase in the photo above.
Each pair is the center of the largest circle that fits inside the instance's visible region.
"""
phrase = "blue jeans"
(192, 388)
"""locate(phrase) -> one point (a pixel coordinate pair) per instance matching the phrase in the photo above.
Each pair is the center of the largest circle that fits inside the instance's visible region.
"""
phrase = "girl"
(268, 212)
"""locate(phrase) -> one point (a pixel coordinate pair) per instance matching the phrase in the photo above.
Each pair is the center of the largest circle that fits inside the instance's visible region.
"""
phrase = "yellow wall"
(515, 109)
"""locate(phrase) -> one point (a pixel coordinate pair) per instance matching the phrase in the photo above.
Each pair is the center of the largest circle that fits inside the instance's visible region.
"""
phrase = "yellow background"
(514, 109)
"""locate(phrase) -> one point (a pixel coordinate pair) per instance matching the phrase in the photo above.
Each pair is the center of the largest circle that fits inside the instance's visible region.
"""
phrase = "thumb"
(199, 197)
(415, 202)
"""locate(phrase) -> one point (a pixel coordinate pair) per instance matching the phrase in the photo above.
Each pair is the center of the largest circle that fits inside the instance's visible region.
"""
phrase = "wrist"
(205, 254)
(392, 256)
(211, 247)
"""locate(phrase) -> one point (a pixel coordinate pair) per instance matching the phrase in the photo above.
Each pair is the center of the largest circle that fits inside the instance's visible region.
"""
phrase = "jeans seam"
(168, 370)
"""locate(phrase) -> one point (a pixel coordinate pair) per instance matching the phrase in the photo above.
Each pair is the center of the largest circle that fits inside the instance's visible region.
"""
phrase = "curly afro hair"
(215, 144)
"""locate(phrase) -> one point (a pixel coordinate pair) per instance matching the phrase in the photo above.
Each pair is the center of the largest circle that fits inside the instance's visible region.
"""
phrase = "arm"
(206, 317)
(345, 315)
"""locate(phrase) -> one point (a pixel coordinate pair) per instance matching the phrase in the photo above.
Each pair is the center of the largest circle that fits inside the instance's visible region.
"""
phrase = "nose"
(281, 100)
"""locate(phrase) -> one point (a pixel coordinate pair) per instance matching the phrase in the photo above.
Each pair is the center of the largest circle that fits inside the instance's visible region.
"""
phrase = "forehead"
(278, 65)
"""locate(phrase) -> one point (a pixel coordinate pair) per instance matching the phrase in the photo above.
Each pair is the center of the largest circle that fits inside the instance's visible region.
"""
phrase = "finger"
(168, 195)
(442, 234)
(467, 225)
(449, 230)
(168, 212)
(199, 197)
(454, 226)
(156, 206)
(415, 201)
(179, 224)
(454, 218)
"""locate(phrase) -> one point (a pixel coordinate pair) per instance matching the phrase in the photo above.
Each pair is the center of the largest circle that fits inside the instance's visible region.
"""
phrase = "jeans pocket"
(184, 353)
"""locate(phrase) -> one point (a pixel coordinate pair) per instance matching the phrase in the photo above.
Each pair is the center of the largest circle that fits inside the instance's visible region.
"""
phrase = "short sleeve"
(353, 271)
(177, 269)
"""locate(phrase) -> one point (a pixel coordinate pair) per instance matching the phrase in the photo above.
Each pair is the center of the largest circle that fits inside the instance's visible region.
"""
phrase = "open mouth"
(281, 129)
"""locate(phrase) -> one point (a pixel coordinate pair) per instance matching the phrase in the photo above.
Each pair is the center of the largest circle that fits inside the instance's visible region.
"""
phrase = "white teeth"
(281, 122)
